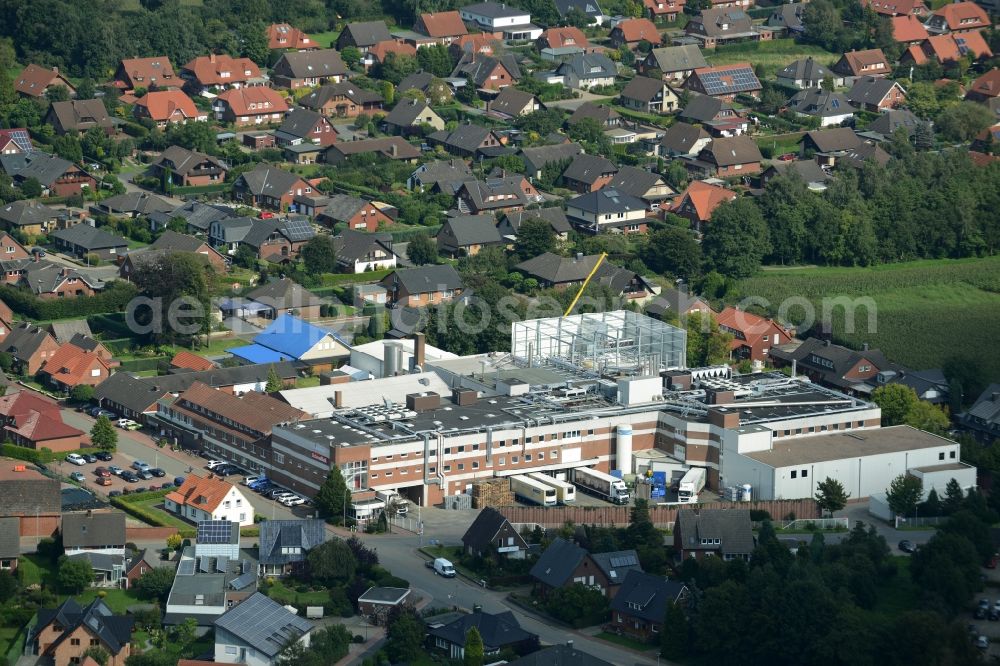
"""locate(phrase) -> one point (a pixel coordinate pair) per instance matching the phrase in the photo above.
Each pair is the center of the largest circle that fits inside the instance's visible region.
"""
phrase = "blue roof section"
(293, 337)
(258, 354)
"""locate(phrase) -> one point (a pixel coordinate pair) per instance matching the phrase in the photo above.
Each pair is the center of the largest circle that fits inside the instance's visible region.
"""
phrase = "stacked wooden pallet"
(492, 492)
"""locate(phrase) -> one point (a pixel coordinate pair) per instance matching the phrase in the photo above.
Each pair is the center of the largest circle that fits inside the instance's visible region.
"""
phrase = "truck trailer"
(691, 484)
(533, 491)
(565, 492)
(602, 485)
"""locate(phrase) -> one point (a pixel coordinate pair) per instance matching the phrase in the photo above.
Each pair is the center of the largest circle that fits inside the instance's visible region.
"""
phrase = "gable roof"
(27, 212)
(443, 24)
(860, 62)
(703, 108)
(183, 161)
(559, 655)
(704, 198)
(81, 114)
(178, 242)
(678, 58)
(136, 203)
(352, 245)
(96, 619)
(391, 147)
(753, 327)
(293, 336)
(23, 341)
(311, 64)
(643, 89)
(726, 79)
(962, 16)
(284, 36)
(18, 137)
(191, 361)
(589, 168)
(606, 200)
(871, 89)
(843, 359)
(617, 564)
(556, 564)
(638, 29)
(277, 535)
(254, 100)
(487, 525)
(646, 596)
(428, 279)
(93, 529)
(67, 330)
(464, 137)
(319, 97)
(554, 215)
(680, 138)
(70, 365)
(267, 180)
(987, 85)
(730, 526)
(807, 69)
(479, 68)
(147, 72)
(820, 103)
(557, 38)
(788, 16)
(497, 630)
(468, 230)
(721, 22)
(908, 28)
(197, 491)
(45, 168)
(891, 120)
(216, 69)
(637, 182)
(808, 170)
(366, 33)
(300, 122)
(283, 294)
(89, 238)
(34, 79)
(674, 300)
(512, 101)
(834, 139)
(587, 66)
(602, 114)
(588, 7)
(161, 105)
(264, 624)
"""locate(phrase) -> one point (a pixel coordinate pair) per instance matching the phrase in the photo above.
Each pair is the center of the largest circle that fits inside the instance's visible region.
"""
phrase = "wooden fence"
(662, 516)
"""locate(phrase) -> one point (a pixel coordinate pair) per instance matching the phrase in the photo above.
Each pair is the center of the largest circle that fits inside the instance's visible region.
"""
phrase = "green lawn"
(8, 646)
(780, 143)
(625, 641)
(167, 518)
(286, 595)
(307, 382)
(914, 302)
(117, 600)
(325, 39)
(772, 56)
(36, 570)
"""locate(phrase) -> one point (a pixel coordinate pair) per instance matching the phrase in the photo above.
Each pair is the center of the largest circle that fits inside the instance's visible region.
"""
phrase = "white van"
(443, 567)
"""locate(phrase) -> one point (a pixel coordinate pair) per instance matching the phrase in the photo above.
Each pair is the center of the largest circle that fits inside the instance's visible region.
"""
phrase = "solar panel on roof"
(222, 564)
(205, 565)
(20, 138)
(185, 568)
(624, 561)
(244, 566)
(214, 531)
(243, 581)
(298, 229)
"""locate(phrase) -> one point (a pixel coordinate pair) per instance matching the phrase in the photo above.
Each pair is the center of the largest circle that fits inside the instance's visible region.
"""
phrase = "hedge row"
(113, 299)
(145, 516)
(143, 364)
(28, 455)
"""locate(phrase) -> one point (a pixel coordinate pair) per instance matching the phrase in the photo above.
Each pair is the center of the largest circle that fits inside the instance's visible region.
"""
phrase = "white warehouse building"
(865, 462)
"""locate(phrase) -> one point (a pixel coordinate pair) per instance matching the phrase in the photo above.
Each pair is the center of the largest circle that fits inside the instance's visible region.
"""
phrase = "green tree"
(737, 238)
(422, 250)
(963, 121)
(542, 122)
(8, 587)
(830, 495)
(674, 251)
(578, 605)
(474, 650)
(86, 89)
(57, 93)
(953, 497)
(896, 401)
(707, 344)
(903, 494)
(31, 188)
(74, 576)
(350, 55)
(404, 634)
(932, 506)
(319, 255)
(82, 393)
(97, 653)
(332, 496)
(155, 584)
(253, 42)
(180, 281)
(925, 416)
(246, 256)
(274, 383)
(332, 563)
(674, 635)
(103, 434)
(534, 238)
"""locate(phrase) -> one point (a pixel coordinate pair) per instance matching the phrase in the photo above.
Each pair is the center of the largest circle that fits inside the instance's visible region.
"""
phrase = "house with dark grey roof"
(308, 68)
(466, 235)
(189, 168)
(284, 545)
(376, 602)
(730, 157)
(444, 176)
(496, 194)
(562, 654)
(805, 73)
(29, 345)
(588, 173)
(360, 252)
(587, 70)
(674, 304)
(304, 126)
(492, 535)
(10, 543)
(256, 630)
(134, 204)
(553, 270)
(342, 100)
(285, 296)
(831, 108)
(488, 72)
(606, 209)
(62, 634)
(812, 174)
(883, 127)
(79, 115)
(649, 96)
(58, 177)
(555, 216)
(983, 418)
(675, 62)
(197, 215)
(357, 213)
(788, 18)
(642, 184)
(31, 217)
(724, 533)
(850, 371)
(269, 187)
(715, 115)
(363, 35)
(641, 604)
(468, 140)
(84, 239)
(683, 139)
(97, 537)
(537, 158)
(829, 145)
(511, 103)
(589, 8)
(605, 116)
(499, 632)
(564, 564)
(410, 115)
(723, 25)
(423, 285)
(876, 94)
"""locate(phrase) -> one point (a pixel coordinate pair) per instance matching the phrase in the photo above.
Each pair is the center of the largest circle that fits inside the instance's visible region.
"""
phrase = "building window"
(527, 457)
(475, 464)
(502, 461)
(951, 455)
(941, 456)
(805, 473)
(447, 468)
(541, 455)
(279, 458)
(74, 641)
(461, 466)
(513, 460)
(795, 474)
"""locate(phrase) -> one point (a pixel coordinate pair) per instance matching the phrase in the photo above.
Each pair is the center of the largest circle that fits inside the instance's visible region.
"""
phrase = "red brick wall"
(662, 516)
(42, 526)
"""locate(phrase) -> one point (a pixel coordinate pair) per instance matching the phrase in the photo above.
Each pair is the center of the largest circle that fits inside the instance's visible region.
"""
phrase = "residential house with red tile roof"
(191, 361)
(870, 62)
(949, 48)
(34, 421)
(10, 249)
(377, 53)
(145, 73)
(255, 105)
(209, 498)
(898, 7)
(632, 32)
(445, 27)
(699, 200)
(72, 366)
(484, 43)
(663, 10)
(166, 107)
(34, 81)
(725, 81)
(562, 38)
(958, 17)
(220, 71)
(284, 36)
(30, 346)
(342, 100)
(986, 89)
(907, 29)
(753, 336)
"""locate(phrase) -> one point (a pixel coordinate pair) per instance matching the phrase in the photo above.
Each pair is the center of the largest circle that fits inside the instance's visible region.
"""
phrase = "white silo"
(624, 451)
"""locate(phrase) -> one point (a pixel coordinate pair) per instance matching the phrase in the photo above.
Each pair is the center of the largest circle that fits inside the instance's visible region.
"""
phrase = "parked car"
(76, 459)
(97, 412)
(102, 481)
(907, 546)
(983, 643)
(992, 615)
(128, 424)
(293, 501)
(78, 477)
(178, 481)
(116, 470)
(250, 480)
(104, 456)
(140, 465)
(90, 458)
(212, 464)
(979, 613)
(154, 487)
(115, 493)
(144, 474)
(157, 472)
(129, 477)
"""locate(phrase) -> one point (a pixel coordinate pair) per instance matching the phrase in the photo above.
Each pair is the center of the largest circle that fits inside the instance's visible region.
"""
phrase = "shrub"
(358, 638)
(759, 515)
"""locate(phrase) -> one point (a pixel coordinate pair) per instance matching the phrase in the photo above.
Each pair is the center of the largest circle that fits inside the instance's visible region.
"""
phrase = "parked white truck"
(442, 567)
(392, 498)
(602, 485)
(691, 484)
